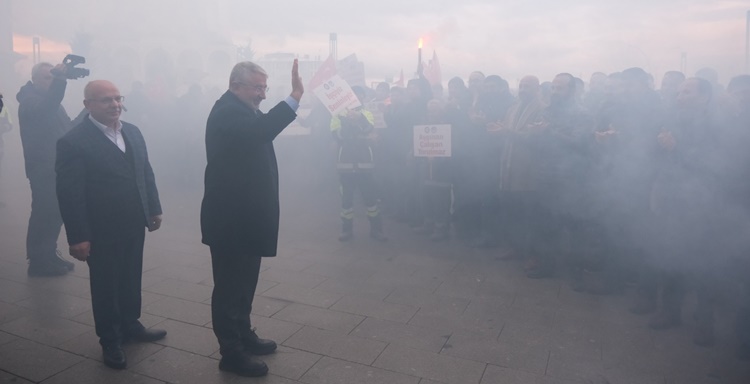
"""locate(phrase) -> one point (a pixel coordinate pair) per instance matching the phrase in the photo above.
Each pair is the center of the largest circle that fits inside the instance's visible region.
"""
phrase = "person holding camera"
(42, 121)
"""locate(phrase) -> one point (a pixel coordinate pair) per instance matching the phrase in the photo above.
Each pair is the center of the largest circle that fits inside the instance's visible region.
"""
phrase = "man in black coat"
(240, 210)
(107, 195)
(42, 121)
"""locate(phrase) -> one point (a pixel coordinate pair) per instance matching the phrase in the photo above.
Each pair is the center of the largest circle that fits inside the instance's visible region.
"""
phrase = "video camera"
(72, 72)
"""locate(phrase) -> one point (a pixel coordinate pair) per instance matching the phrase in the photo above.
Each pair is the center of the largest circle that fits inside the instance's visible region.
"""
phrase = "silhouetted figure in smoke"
(627, 124)
(563, 147)
(43, 120)
(593, 98)
(319, 123)
(670, 87)
(519, 170)
(6, 125)
(401, 119)
(240, 209)
(686, 201)
(108, 196)
(192, 109)
(738, 202)
(479, 165)
(137, 104)
(352, 131)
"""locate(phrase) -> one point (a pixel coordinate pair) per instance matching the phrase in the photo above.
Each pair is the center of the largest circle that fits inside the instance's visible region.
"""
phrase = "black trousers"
(45, 221)
(235, 279)
(115, 276)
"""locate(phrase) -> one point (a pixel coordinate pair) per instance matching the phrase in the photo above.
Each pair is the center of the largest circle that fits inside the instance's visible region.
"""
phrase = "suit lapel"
(106, 146)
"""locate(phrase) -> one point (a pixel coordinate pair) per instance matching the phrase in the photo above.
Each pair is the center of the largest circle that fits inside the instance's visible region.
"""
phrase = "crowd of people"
(608, 184)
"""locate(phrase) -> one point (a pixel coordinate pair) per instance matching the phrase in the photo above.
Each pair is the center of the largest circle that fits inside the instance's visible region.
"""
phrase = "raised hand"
(297, 88)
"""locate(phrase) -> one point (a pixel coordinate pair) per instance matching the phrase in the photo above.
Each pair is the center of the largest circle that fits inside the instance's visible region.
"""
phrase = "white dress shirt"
(113, 134)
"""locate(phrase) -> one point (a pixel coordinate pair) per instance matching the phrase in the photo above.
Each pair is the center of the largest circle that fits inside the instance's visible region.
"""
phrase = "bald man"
(107, 196)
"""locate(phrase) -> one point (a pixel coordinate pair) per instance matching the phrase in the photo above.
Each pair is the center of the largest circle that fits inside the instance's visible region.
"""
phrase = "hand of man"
(81, 250)
(154, 223)
(666, 140)
(59, 70)
(297, 88)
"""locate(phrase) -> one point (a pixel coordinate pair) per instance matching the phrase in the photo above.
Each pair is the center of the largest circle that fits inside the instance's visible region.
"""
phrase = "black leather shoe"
(146, 335)
(114, 357)
(254, 345)
(46, 269)
(243, 365)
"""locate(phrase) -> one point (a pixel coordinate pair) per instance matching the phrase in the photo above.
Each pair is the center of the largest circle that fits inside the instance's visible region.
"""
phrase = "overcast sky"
(511, 38)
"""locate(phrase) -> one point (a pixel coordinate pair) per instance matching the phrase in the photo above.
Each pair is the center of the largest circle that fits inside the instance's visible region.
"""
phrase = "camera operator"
(43, 120)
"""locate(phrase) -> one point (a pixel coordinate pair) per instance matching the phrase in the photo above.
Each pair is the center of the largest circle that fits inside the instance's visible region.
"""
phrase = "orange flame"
(420, 43)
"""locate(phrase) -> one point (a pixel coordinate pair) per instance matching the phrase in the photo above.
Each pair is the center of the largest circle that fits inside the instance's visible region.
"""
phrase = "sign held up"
(336, 95)
(432, 140)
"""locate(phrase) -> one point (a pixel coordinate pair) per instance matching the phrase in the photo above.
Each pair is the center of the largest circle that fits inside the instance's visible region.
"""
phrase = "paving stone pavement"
(406, 311)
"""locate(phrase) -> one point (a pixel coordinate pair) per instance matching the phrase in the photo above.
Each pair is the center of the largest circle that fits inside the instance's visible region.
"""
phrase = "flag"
(432, 72)
(324, 72)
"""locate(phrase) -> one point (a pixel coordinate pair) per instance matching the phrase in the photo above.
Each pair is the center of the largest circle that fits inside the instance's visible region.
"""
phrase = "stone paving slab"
(319, 318)
(181, 290)
(6, 377)
(93, 372)
(334, 371)
(402, 334)
(178, 309)
(375, 308)
(189, 337)
(49, 330)
(34, 361)
(336, 345)
(433, 366)
(291, 363)
(302, 295)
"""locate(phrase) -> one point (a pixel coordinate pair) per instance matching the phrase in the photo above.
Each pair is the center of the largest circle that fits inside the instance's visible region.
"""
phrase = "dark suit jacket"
(240, 207)
(104, 194)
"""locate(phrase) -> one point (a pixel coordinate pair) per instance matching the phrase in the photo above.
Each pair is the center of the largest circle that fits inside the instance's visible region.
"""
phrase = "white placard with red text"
(432, 140)
(336, 95)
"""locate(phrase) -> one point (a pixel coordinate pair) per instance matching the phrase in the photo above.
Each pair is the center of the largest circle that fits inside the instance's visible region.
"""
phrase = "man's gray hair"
(37, 69)
(243, 70)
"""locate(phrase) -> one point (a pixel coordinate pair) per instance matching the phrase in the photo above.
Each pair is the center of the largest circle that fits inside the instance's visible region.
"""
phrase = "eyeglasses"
(109, 100)
(257, 88)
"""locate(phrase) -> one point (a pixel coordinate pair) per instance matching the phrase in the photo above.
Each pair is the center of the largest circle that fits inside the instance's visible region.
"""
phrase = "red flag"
(433, 73)
(325, 71)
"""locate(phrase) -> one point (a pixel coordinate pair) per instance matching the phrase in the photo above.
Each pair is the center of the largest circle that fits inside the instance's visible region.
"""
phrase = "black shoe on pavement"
(243, 365)
(254, 345)
(114, 357)
(46, 269)
(145, 335)
(59, 259)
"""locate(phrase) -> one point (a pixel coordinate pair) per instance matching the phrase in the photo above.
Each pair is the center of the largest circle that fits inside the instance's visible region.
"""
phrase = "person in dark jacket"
(240, 209)
(108, 196)
(42, 120)
(355, 164)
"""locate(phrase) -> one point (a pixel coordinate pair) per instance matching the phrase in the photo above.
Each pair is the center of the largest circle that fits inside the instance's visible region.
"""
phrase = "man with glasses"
(240, 210)
(42, 120)
(108, 196)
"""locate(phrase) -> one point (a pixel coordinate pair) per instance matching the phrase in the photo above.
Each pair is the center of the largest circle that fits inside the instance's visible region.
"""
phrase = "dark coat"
(104, 194)
(42, 122)
(240, 207)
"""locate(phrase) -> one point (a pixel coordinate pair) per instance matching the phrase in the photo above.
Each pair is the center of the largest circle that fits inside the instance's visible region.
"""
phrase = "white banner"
(432, 140)
(336, 95)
